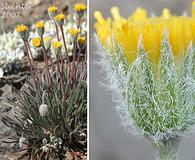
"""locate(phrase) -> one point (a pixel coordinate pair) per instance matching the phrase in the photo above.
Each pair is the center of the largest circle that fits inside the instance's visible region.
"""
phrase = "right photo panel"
(142, 80)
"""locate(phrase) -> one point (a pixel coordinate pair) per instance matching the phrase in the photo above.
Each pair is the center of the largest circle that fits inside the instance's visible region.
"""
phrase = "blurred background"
(108, 139)
(13, 12)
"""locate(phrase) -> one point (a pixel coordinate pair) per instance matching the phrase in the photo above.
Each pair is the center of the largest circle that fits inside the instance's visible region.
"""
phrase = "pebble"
(5, 109)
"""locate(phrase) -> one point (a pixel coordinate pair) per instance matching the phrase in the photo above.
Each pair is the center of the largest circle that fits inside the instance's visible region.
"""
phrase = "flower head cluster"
(21, 28)
(36, 42)
(47, 41)
(81, 42)
(40, 24)
(80, 7)
(127, 31)
(73, 32)
(40, 27)
(52, 9)
(60, 19)
(23, 31)
(150, 68)
(57, 46)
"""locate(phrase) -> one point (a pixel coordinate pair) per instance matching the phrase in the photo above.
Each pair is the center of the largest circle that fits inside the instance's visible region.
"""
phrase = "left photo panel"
(43, 79)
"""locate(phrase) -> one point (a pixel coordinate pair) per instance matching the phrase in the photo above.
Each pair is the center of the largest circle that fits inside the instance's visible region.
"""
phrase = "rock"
(32, 3)
(2, 83)
(5, 109)
(7, 92)
(11, 98)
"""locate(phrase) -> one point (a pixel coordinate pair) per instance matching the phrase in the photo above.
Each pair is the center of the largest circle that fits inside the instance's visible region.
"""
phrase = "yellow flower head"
(52, 9)
(47, 42)
(103, 26)
(40, 24)
(56, 45)
(73, 32)
(21, 28)
(166, 13)
(47, 39)
(193, 9)
(59, 17)
(82, 40)
(80, 7)
(126, 32)
(36, 42)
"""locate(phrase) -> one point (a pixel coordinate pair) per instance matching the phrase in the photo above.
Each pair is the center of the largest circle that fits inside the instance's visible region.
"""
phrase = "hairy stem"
(61, 79)
(64, 41)
(56, 26)
(73, 70)
(30, 62)
(168, 149)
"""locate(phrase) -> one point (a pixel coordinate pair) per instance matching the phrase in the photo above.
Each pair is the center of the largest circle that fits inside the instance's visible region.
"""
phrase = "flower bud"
(45, 149)
(43, 109)
(40, 26)
(52, 10)
(81, 41)
(22, 140)
(36, 42)
(22, 30)
(47, 42)
(80, 8)
(59, 19)
(73, 32)
(57, 46)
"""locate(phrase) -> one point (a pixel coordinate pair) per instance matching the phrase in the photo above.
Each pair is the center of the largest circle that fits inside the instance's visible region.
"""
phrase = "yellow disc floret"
(80, 7)
(82, 40)
(21, 28)
(166, 13)
(56, 45)
(73, 32)
(59, 17)
(47, 39)
(40, 24)
(126, 32)
(36, 42)
(52, 9)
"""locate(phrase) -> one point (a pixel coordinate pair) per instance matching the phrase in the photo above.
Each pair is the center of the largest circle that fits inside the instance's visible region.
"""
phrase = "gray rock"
(5, 109)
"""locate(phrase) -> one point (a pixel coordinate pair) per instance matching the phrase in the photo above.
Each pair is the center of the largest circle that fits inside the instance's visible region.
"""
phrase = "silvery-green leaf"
(1, 72)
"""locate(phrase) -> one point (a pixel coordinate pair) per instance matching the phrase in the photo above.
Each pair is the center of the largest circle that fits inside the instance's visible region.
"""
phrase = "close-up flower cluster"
(150, 71)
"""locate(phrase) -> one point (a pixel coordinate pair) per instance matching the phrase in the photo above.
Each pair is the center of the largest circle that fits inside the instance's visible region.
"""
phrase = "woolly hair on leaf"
(114, 85)
(159, 106)
(152, 76)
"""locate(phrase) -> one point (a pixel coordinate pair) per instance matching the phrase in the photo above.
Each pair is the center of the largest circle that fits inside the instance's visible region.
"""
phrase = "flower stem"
(79, 21)
(73, 71)
(168, 149)
(56, 26)
(30, 62)
(64, 41)
(61, 79)
(78, 58)
(47, 67)
(31, 56)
